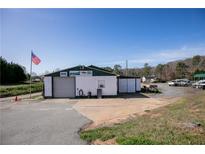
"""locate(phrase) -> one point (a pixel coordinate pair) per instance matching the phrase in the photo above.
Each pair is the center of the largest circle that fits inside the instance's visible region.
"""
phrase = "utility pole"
(31, 73)
(126, 67)
(127, 72)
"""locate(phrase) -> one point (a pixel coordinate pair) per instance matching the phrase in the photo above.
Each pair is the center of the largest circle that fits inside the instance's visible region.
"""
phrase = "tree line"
(11, 72)
(180, 69)
(14, 73)
(165, 72)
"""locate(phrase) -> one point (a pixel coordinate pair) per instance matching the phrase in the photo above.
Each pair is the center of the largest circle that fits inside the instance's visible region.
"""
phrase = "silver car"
(182, 82)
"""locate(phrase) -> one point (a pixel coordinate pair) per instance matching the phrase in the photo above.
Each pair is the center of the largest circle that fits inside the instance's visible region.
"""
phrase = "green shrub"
(20, 89)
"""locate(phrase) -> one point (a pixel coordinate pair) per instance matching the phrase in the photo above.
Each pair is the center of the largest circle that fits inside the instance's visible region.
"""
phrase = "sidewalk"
(12, 98)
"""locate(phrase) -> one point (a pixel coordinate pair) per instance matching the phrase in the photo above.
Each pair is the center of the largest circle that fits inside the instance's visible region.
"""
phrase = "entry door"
(64, 87)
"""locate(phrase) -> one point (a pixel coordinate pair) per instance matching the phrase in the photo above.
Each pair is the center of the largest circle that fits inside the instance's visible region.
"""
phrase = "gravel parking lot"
(173, 91)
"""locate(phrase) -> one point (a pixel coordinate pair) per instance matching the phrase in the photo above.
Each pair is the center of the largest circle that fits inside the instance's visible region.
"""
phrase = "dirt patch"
(108, 111)
(155, 115)
(107, 142)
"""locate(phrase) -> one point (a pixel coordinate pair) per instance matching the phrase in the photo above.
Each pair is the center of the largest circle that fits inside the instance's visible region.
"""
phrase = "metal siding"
(64, 87)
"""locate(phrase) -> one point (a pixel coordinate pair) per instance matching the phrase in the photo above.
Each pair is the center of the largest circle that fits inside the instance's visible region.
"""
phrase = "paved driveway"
(40, 122)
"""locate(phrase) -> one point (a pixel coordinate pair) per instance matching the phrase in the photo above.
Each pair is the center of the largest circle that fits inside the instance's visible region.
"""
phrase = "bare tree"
(181, 70)
(146, 70)
(117, 69)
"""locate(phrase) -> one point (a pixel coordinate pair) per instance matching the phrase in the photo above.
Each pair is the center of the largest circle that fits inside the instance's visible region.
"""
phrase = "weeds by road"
(180, 123)
(6, 91)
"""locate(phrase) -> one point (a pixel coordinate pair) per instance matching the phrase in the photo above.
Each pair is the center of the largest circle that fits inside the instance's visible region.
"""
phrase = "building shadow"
(128, 95)
(121, 95)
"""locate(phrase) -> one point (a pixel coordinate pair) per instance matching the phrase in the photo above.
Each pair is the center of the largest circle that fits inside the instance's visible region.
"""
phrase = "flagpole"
(30, 72)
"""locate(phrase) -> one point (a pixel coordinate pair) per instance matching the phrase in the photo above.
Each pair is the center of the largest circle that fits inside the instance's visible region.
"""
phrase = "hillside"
(189, 63)
(176, 69)
(181, 68)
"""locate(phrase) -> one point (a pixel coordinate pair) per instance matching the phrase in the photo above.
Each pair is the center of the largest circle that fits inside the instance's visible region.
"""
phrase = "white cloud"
(110, 63)
(141, 61)
(181, 53)
(161, 56)
(164, 56)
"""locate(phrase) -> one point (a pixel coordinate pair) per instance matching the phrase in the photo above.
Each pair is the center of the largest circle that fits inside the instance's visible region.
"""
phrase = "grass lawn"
(182, 122)
(20, 89)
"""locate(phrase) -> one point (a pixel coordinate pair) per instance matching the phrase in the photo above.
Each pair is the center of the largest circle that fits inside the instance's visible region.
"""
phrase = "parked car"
(199, 84)
(179, 82)
(202, 85)
(186, 82)
(171, 83)
(194, 84)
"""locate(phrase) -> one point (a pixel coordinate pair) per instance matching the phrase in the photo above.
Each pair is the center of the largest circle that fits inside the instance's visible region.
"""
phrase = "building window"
(101, 83)
(63, 74)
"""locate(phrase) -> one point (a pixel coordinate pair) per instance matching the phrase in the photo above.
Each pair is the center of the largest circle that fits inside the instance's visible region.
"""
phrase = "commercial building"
(83, 81)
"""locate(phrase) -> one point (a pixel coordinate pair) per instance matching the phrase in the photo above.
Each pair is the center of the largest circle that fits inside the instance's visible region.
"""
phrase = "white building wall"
(90, 84)
(47, 86)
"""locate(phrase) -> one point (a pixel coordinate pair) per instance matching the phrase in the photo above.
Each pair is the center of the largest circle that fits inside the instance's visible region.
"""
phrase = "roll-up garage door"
(64, 87)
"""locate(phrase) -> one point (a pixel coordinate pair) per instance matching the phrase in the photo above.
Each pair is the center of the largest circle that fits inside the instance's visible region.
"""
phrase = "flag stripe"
(35, 59)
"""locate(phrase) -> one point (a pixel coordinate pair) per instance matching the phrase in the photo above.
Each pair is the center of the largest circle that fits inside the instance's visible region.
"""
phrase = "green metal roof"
(96, 71)
(101, 69)
(201, 75)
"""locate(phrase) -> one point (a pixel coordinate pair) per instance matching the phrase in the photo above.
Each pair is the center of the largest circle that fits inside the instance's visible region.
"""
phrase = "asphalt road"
(40, 122)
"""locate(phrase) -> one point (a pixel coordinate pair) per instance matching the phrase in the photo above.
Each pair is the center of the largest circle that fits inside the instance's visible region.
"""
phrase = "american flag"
(35, 59)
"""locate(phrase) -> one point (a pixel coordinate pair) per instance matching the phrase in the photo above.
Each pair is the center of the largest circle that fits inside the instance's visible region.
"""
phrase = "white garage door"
(126, 85)
(131, 85)
(122, 85)
(64, 87)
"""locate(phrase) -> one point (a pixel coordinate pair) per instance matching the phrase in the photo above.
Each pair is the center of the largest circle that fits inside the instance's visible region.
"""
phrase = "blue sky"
(64, 38)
